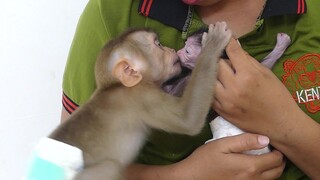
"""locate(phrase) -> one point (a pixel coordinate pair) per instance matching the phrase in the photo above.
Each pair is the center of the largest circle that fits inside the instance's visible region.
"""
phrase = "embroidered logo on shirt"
(302, 78)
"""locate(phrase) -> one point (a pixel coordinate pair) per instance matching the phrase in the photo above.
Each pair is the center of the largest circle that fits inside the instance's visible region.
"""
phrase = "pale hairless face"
(189, 53)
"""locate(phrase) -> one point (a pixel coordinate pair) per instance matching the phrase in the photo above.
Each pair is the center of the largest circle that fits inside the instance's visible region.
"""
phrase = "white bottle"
(54, 160)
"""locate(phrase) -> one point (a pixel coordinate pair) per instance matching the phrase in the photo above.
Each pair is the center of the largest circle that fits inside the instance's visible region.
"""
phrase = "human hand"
(223, 159)
(250, 96)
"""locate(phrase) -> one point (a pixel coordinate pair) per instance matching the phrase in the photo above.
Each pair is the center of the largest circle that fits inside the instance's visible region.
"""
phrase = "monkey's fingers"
(204, 39)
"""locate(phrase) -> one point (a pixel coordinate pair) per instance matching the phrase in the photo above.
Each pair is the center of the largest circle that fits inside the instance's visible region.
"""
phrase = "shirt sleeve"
(100, 21)
(90, 36)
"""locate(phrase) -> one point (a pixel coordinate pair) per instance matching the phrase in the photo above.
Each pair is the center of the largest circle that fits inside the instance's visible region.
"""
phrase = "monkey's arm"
(204, 76)
(188, 113)
(283, 41)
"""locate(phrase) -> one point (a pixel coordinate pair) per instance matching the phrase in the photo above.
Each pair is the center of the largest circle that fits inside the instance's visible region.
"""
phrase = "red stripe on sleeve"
(302, 6)
(67, 108)
(68, 101)
(143, 8)
(68, 104)
(149, 7)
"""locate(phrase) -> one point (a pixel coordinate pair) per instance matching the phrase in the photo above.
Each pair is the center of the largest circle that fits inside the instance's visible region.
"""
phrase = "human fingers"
(268, 170)
(237, 56)
(229, 63)
(225, 78)
(275, 171)
(243, 166)
(245, 142)
(273, 159)
(225, 73)
(218, 89)
(265, 166)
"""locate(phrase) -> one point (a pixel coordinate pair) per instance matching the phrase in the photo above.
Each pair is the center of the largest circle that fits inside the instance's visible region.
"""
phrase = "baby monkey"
(112, 126)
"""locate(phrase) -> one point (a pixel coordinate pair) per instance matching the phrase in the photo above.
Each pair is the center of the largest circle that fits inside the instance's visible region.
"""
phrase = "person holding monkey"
(282, 104)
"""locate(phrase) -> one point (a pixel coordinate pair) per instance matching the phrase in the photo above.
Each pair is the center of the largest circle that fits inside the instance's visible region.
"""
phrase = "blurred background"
(35, 37)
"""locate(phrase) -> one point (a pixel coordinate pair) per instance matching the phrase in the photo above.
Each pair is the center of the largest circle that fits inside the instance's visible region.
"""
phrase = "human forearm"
(64, 115)
(255, 100)
(141, 172)
(216, 160)
(298, 138)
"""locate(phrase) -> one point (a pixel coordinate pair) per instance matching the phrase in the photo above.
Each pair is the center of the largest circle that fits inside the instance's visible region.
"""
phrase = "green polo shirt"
(298, 68)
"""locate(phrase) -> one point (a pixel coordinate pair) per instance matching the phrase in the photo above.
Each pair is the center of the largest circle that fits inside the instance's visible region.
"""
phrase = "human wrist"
(299, 142)
(181, 170)
(292, 132)
(142, 171)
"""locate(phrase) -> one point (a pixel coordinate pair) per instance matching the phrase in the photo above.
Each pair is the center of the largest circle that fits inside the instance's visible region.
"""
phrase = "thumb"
(245, 142)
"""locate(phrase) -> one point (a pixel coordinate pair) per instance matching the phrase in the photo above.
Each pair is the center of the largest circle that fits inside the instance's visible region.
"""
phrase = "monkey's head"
(135, 56)
(189, 53)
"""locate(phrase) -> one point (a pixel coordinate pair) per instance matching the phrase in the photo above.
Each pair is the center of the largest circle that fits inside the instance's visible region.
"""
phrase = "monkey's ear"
(127, 75)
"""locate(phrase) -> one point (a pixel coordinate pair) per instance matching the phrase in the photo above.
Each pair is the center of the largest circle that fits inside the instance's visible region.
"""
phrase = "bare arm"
(274, 114)
(221, 158)
(204, 162)
(64, 115)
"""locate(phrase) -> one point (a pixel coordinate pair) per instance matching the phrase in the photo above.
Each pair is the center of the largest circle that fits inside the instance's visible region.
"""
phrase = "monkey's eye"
(188, 50)
(157, 42)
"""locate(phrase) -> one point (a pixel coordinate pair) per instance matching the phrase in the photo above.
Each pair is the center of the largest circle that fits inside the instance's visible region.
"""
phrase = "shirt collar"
(284, 7)
(170, 12)
(175, 13)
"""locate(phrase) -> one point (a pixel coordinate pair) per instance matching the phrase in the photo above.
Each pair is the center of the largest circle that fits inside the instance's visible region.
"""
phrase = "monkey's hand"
(218, 34)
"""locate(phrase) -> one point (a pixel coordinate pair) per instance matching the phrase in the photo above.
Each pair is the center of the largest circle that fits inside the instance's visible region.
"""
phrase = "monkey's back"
(105, 129)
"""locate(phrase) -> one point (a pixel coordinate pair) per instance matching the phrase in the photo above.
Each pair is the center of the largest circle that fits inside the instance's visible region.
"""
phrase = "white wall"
(35, 36)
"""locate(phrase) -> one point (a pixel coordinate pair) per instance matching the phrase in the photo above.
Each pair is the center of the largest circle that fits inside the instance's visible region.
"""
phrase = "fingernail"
(239, 42)
(263, 140)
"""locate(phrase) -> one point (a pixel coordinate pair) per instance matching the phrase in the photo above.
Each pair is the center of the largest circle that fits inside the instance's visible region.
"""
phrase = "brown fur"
(112, 126)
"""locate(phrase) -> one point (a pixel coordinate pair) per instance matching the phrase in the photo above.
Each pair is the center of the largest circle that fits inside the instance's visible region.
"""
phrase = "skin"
(240, 15)
(236, 92)
(204, 162)
(293, 132)
(189, 53)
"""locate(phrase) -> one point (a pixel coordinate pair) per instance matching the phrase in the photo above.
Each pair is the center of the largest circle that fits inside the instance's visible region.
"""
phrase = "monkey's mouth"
(177, 61)
(177, 72)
